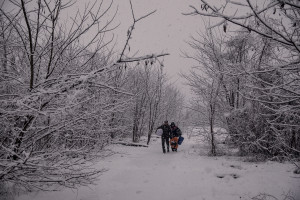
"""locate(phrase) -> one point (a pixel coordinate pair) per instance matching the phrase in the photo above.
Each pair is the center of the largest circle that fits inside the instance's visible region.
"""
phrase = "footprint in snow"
(220, 176)
(235, 176)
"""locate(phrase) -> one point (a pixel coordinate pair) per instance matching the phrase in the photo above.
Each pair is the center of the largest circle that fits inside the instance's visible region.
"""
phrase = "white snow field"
(140, 173)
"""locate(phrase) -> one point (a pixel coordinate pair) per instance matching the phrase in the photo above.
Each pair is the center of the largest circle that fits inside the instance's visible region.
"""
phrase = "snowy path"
(139, 173)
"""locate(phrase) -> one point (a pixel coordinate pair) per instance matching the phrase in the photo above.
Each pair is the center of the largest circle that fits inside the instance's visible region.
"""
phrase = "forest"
(63, 100)
(66, 93)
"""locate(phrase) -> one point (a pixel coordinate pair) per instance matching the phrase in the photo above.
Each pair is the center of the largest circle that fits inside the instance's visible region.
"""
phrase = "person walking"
(165, 136)
(175, 134)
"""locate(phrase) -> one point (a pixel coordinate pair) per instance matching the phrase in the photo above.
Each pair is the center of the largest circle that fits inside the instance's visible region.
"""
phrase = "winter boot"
(164, 150)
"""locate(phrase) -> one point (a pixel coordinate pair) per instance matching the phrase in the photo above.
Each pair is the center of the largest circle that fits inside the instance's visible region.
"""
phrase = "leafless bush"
(264, 196)
(256, 68)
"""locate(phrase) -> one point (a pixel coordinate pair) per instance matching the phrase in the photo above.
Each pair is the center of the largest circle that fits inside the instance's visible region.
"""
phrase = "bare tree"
(208, 82)
(155, 96)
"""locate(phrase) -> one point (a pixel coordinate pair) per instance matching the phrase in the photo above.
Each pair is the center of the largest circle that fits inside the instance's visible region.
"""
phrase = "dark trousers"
(163, 141)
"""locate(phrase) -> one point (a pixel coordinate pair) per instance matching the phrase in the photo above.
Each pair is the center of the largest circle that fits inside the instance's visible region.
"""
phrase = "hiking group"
(170, 132)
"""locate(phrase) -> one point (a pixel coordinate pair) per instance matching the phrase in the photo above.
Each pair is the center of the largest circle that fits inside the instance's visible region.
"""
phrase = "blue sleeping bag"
(180, 140)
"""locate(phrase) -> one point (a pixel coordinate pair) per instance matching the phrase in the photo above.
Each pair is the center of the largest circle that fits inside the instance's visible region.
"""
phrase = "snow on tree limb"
(62, 99)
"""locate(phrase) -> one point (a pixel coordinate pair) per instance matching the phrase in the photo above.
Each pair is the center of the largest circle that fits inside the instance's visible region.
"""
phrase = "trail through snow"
(139, 173)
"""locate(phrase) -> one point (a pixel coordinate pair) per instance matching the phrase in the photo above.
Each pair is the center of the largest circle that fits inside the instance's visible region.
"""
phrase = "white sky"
(165, 31)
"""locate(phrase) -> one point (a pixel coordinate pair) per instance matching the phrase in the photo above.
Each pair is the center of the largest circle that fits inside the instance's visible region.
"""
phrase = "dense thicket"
(64, 95)
(250, 77)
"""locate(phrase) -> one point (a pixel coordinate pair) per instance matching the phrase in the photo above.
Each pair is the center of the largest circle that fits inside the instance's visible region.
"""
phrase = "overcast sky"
(165, 31)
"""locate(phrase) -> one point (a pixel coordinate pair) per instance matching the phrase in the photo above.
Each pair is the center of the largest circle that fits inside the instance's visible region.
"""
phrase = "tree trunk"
(211, 122)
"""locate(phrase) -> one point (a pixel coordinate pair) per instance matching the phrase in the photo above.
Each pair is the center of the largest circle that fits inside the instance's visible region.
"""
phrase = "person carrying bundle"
(175, 134)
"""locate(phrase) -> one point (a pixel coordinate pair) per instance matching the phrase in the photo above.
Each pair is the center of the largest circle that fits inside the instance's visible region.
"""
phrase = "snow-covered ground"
(139, 173)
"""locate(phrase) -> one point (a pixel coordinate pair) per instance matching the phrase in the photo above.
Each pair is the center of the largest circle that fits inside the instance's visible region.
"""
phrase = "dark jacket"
(166, 130)
(175, 131)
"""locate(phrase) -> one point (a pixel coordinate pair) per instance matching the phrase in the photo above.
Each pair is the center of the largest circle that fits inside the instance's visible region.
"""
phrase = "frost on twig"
(129, 36)
(280, 35)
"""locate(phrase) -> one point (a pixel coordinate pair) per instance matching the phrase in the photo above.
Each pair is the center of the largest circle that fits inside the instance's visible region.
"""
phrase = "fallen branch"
(131, 144)
(142, 58)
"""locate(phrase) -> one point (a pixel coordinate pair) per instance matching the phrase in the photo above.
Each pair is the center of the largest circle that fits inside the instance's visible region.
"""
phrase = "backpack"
(179, 131)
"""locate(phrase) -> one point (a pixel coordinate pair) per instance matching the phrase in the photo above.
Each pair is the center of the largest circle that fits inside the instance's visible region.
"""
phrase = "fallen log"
(131, 144)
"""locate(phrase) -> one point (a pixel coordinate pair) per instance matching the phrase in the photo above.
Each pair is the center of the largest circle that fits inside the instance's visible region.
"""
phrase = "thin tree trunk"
(211, 120)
